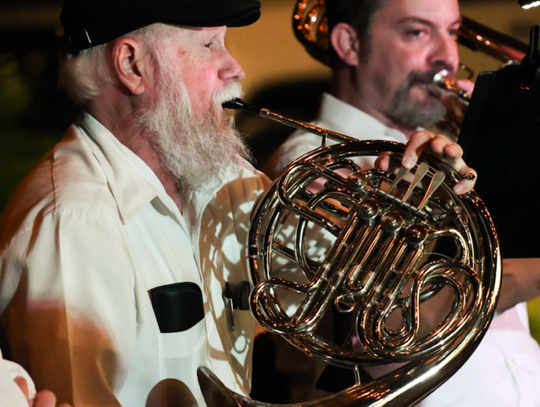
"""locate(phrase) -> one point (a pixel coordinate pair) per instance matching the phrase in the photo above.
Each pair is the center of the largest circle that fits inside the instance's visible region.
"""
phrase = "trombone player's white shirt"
(504, 371)
(84, 239)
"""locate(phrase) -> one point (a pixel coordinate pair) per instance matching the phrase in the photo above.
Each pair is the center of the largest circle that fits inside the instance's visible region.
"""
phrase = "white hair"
(84, 74)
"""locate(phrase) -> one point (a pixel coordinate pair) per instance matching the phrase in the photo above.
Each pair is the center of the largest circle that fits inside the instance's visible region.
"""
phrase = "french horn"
(382, 249)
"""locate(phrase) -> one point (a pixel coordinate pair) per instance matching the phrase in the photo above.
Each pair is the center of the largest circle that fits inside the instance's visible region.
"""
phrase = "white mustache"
(230, 92)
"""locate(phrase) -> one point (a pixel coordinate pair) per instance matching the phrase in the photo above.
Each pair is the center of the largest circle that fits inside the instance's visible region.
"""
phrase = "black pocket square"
(178, 307)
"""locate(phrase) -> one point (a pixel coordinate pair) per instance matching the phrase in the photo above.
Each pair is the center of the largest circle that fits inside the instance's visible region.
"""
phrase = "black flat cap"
(88, 23)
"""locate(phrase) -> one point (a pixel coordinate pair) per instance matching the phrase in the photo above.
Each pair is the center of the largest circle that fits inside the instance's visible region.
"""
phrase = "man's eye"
(416, 33)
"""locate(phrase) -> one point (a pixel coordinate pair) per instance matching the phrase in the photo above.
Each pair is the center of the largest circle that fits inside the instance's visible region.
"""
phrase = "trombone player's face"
(408, 42)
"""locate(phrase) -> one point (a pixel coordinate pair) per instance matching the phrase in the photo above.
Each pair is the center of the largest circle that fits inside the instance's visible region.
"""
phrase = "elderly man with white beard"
(142, 207)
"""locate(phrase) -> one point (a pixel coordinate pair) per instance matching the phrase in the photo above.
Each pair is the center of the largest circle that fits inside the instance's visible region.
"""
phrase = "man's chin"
(227, 121)
(426, 99)
(424, 91)
(419, 110)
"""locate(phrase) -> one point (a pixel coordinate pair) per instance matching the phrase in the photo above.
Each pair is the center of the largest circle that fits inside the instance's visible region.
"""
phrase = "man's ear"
(346, 43)
(128, 64)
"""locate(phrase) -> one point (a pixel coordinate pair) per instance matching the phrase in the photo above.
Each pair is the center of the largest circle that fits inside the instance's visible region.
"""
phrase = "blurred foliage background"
(33, 112)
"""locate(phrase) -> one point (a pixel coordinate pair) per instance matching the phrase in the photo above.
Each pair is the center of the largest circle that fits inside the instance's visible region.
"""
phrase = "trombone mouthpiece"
(239, 104)
(448, 83)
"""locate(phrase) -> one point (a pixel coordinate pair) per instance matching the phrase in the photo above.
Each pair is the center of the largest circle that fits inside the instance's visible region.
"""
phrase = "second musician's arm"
(521, 282)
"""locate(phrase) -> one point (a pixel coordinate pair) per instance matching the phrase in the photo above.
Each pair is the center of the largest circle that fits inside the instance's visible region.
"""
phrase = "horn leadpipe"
(238, 104)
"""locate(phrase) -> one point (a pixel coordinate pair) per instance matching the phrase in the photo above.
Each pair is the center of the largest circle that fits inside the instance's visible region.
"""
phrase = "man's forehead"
(439, 11)
(190, 34)
(210, 30)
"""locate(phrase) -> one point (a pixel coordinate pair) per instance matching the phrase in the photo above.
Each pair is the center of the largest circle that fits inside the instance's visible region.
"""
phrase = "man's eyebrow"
(420, 20)
(458, 21)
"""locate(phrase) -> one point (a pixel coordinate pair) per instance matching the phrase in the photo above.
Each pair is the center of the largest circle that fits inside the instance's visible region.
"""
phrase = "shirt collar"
(335, 113)
(133, 184)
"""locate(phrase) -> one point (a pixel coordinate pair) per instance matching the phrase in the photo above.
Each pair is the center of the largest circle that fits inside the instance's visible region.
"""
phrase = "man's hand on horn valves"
(440, 147)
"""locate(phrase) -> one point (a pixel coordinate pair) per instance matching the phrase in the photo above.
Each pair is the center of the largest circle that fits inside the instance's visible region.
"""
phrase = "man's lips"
(429, 89)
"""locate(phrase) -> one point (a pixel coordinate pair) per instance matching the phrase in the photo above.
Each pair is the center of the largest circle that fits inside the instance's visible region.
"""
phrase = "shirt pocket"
(182, 342)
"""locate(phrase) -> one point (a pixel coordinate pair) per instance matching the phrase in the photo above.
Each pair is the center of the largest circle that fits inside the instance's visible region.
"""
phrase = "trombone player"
(385, 54)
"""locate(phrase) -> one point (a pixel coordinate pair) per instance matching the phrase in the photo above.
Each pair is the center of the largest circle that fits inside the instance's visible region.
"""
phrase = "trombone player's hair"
(358, 14)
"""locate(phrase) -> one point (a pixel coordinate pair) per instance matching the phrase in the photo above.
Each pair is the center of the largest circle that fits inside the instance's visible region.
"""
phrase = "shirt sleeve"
(71, 319)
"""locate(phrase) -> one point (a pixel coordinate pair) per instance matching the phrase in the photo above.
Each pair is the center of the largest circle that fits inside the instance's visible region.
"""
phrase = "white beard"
(197, 151)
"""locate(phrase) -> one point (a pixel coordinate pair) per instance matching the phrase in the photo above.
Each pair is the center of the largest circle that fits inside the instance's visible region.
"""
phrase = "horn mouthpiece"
(239, 104)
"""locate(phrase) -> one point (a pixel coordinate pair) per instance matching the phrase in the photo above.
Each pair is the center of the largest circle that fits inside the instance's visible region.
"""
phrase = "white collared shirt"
(84, 239)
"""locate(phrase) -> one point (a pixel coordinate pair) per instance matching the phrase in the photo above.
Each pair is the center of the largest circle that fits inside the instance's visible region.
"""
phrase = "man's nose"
(445, 52)
(231, 69)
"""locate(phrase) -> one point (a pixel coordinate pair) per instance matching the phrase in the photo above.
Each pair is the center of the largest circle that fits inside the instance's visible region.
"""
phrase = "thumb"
(45, 398)
(21, 382)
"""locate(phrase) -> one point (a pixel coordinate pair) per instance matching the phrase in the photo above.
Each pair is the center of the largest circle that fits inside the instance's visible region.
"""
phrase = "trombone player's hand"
(520, 282)
(440, 147)
(466, 85)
